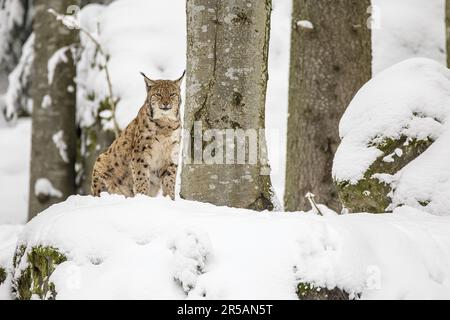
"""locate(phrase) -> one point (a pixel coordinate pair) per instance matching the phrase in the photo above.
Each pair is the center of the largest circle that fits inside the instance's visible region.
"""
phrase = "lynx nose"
(166, 106)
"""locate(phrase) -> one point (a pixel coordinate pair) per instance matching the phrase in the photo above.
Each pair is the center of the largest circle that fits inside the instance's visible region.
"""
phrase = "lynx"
(143, 159)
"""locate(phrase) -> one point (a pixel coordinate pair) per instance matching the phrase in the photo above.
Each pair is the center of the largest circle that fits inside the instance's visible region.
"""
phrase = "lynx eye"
(173, 95)
(158, 95)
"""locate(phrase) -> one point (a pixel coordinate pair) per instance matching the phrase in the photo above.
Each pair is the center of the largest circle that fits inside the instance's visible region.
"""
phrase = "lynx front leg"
(141, 177)
(168, 181)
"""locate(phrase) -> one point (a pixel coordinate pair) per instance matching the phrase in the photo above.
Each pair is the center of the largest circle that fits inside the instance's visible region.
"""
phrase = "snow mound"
(408, 105)
(153, 248)
(14, 172)
(8, 241)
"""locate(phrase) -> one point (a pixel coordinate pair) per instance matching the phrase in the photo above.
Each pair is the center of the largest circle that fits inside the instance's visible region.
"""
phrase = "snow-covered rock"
(394, 137)
(153, 248)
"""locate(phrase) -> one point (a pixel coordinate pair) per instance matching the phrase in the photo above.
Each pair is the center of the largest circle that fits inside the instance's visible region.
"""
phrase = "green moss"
(2, 275)
(34, 279)
(424, 203)
(370, 194)
(306, 291)
(20, 251)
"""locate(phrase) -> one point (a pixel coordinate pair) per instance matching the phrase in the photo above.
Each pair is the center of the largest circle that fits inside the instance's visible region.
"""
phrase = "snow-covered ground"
(15, 143)
(8, 241)
(146, 248)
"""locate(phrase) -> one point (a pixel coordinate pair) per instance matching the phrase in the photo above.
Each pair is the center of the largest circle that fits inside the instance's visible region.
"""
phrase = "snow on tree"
(15, 28)
(18, 98)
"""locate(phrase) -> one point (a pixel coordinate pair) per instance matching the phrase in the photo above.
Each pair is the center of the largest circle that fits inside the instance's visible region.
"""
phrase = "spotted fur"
(143, 159)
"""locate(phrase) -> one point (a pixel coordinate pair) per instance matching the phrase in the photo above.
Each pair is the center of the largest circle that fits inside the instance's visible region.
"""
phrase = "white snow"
(407, 29)
(8, 241)
(17, 95)
(58, 140)
(12, 15)
(410, 99)
(153, 248)
(60, 56)
(15, 144)
(46, 101)
(70, 21)
(305, 24)
(43, 186)
(277, 92)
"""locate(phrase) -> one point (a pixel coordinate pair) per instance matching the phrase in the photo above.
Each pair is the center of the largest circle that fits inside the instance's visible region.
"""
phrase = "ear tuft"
(180, 79)
(148, 82)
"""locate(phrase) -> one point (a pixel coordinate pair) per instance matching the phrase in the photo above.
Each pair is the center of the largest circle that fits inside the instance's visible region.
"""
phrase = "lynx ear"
(180, 79)
(148, 82)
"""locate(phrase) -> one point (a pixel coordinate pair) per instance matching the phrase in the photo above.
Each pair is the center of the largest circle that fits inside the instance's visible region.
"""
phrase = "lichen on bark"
(32, 275)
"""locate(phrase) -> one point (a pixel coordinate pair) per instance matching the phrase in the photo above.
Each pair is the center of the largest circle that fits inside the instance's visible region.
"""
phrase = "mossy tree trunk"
(330, 61)
(53, 130)
(226, 90)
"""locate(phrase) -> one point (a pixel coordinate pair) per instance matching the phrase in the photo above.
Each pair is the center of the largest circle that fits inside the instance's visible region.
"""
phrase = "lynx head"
(164, 98)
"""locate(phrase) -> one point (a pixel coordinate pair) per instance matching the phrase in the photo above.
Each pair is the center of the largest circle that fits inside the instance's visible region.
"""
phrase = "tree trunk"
(447, 29)
(226, 91)
(330, 61)
(53, 151)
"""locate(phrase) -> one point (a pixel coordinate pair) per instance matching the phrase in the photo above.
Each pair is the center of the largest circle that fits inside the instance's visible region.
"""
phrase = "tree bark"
(54, 108)
(226, 90)
(329, 64)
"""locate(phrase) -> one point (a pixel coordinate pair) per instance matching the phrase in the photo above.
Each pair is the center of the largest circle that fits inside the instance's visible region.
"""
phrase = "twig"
(313, 203)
